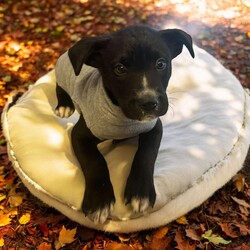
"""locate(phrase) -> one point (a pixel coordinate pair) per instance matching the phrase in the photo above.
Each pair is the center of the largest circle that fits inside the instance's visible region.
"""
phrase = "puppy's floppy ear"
(175, 38)
(87, 51)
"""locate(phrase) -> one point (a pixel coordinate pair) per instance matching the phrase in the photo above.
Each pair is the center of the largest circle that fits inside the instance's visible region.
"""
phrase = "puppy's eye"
(120, 69)
(160, 64)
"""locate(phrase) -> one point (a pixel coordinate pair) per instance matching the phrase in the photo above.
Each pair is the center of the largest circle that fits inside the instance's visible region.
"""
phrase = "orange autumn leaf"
(4, 220)
(160, 233)
(116, 246)
(24, 219)
(66, 236)
(44, 246)
(158, 240)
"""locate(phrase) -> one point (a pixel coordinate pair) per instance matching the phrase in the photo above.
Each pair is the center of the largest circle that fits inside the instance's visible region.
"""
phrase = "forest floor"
(32, 36)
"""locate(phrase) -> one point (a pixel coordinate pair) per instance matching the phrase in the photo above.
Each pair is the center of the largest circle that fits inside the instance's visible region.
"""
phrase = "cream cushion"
(205, 141)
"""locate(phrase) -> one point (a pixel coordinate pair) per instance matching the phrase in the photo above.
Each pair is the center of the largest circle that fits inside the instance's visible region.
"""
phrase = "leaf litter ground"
(32, 36)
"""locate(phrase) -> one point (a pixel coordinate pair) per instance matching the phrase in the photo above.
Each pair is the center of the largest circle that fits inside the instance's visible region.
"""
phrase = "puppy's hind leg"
(65, 106)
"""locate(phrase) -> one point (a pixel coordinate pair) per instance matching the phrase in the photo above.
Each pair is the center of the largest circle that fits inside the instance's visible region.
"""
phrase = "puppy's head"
(135, 64)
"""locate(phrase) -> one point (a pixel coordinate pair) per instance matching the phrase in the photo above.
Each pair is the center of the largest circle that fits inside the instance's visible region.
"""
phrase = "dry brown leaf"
(241, 202)
(218, 206)
(228, 229)
(192, 234)
(244, 230)
(239, 182)
(157, 244)
(244, 213)
(183, 244)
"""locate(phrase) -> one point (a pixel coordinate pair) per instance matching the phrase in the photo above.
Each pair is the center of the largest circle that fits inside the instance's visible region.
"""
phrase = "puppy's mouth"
(135, 111)
(144, 115)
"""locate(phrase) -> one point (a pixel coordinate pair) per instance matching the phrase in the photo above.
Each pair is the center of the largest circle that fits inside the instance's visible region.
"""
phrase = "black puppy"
(118, 82)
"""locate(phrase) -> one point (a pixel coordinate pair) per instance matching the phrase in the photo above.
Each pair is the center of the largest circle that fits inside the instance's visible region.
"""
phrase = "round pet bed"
(205, 141)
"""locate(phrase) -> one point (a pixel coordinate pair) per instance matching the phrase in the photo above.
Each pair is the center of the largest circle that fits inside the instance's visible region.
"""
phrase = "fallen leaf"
(66, 236)
(44, 229)
(244, 212)
(60, 28)
(239, 38)
(24, 219)
(123, 237)
(4, 220)
(2, 197)
(44, 246)
(157, 244)
(83, 19)
(160, 232)
(13, 212)
(6, 78)
(158, 240)
(117, 246)
(239, 182)
(228, 229)
(1, 242)
(192, 234)
(244, 230)
(182, 243)
(15, 200)
(241, 202)
(214, 238)
(218, 206)
(182, 220)
(31, 230)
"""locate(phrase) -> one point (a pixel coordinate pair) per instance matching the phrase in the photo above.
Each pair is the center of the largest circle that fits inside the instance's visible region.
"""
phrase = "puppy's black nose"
(149, 105)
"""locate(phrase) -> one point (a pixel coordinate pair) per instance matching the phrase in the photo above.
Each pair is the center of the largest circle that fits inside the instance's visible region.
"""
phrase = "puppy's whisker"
(171, 109)
(172, 98)
(175, 92)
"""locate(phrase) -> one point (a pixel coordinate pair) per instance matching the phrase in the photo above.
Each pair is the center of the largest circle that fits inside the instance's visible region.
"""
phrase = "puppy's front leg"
(65, 106)
(140, 191)
(99, 196)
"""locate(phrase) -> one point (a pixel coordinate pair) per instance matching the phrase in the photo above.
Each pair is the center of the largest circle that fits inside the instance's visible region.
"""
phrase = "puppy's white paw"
(64, 112)
(101, 215)
(140, 205)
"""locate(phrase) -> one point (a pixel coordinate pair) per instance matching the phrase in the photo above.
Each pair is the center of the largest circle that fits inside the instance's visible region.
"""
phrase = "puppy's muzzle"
(149, 104)
(152, 106)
